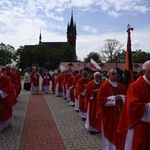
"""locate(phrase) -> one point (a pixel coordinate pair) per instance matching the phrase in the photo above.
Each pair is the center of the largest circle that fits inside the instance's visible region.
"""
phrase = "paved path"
(47, 122)
(40, 131)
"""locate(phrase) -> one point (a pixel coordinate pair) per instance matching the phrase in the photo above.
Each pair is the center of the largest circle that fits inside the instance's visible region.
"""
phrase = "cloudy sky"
(96, 21)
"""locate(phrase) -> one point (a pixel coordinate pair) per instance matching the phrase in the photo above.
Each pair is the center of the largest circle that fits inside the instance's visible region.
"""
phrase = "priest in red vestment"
(63, 84)
(81, 85)
(9, 72)
(92, 122)
(59, 82)
(46, 81)
(54, 79)
(67, 75)
(5, 101)
(34, 79)
(111, 96)
(134, 125)
(17, 83)
(70, 88)
(75, 80)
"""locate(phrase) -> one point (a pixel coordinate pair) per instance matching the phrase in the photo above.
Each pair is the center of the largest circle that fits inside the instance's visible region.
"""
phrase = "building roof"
(2, 66)
(104, 66)
(57, 45)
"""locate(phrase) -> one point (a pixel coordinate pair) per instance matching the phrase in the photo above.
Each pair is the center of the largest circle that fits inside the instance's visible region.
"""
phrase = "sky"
(21, 22)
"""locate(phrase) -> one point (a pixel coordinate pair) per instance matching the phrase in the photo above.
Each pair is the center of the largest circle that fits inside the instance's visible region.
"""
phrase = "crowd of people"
(120, 114)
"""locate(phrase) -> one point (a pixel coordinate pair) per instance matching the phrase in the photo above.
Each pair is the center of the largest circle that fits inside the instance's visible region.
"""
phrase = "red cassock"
(19, 83)
(46, 78)
(110, 115)
(34, 78)
(94, 120)
(70, 85)
(5, 103)
(63, 83)
(75, 80)
(54, 78)
(81, 85)
(15, 81)
(138, 96)
(67, 75)
(15, 85)
(59, 82)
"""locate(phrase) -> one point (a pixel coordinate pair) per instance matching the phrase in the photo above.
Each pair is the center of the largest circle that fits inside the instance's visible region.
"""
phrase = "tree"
(68, 53)
(40, 55)
(95, 56)
(26, 59)
(140, 56)
(18, 56)
(29, 55)
(111, 49)
(44, 56)
(65, 54)
(6, 54)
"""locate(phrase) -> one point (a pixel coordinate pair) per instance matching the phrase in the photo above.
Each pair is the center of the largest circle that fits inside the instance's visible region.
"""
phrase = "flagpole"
(129, 76)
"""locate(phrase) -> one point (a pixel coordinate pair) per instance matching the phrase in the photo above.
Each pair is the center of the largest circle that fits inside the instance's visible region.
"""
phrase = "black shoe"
(93, 132)
(77, 110)
(83, 119)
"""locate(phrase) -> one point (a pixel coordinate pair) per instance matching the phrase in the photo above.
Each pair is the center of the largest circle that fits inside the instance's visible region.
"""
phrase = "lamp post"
(116, 60)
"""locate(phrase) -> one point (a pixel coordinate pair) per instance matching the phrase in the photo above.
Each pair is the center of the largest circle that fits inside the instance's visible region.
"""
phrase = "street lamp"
(116, 61)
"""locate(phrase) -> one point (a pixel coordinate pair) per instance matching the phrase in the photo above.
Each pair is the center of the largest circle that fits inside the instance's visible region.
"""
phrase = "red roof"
(2, 67)
(104, 66)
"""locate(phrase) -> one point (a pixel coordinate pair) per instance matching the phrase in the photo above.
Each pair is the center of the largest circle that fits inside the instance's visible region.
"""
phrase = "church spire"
(40, 38)
(71, 35)
(71, 21)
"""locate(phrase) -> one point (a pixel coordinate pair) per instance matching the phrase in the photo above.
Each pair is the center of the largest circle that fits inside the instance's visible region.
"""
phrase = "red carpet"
(40, 131)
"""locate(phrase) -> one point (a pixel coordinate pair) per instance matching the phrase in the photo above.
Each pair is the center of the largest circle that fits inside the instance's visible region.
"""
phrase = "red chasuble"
(138, 96)
(94, 120)
(81, 88)
(110, 114)
(54, 78)
(70, 84)
(34, 77)
(75, 80)
(5, 103)
(46, 78)
(59, 82)
(14, 84)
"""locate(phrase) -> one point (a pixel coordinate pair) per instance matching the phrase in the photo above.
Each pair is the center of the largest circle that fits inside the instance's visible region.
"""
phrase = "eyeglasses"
(114, 73)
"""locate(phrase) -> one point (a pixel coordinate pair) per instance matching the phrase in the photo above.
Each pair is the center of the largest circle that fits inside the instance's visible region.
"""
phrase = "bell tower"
(71, 35)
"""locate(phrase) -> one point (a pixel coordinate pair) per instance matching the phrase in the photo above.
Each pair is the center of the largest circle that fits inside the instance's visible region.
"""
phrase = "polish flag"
(62, 68)
(94, 64)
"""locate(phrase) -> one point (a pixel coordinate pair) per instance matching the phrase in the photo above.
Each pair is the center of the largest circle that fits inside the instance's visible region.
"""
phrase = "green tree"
(111, 49)
(95, 56)
(44, 56)
(68, 53)
(40, 55)
(25, 55)
(65, 54)
(140, 56)
(6, 54)
(18, 58)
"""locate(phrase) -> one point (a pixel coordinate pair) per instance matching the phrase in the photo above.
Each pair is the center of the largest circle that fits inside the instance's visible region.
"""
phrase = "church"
(71, 40)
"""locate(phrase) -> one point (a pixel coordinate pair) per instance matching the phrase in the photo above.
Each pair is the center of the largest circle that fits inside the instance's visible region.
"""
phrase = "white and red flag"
(62, 68)
(94, 64)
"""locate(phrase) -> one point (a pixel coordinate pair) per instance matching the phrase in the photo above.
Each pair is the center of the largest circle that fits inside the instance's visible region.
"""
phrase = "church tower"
(71, 35)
